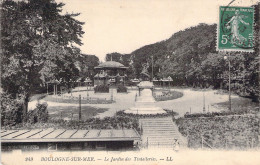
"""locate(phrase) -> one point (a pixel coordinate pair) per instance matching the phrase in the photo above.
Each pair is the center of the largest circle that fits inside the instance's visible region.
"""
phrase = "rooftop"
(64, 135)
(110, 65)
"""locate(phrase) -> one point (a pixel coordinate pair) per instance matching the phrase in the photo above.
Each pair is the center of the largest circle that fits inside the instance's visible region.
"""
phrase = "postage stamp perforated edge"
(218, 32)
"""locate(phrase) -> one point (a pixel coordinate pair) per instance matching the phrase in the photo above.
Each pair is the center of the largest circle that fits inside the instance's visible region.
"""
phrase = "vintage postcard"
(130, 82)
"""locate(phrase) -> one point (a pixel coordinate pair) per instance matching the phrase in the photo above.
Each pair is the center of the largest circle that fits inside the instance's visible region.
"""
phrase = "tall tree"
(87, 64)
(37, 42)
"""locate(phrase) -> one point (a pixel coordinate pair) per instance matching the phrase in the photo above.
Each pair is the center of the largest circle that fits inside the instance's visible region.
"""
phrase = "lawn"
(239, 104)
(72, 112)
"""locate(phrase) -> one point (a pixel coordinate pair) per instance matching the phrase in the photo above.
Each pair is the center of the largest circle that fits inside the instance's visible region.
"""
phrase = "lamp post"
(47, 88)
(204, 109)
(152, 68)
(229, 80)
(79, 107)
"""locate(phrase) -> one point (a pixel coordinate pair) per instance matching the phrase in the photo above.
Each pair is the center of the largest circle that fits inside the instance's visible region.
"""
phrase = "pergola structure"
(110, 73)
(87, 82)
(55, 84)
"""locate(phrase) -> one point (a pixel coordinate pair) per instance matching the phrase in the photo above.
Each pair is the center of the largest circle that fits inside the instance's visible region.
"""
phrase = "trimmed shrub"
(101, 89)
(11, 110)
(171, 95)
(234, 132)
(121, 89)
(39, 114)
(169, 113)
(216, 114)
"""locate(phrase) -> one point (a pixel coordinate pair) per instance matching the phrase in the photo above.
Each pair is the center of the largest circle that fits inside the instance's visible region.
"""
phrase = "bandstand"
(110, 73)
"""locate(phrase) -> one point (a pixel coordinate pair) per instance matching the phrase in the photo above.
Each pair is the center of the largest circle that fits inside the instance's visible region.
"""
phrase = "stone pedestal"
(145, 103)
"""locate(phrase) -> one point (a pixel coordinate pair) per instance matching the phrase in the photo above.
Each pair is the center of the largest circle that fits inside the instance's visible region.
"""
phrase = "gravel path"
(191, 100)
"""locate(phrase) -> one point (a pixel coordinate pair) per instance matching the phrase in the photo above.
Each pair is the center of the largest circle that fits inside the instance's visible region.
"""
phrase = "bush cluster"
(11, 110)
(215, 114)
(167, 114)
(230, 132)
(121, 89)
(101, 89)
(115, 122)
(39, 114)
(171, 95)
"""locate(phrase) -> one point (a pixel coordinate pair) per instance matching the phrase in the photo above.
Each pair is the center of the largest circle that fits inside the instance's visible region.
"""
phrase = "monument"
(145, 102)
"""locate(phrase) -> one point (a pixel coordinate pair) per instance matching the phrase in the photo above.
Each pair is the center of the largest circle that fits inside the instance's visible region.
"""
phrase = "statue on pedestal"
(145, 102)
(145, 76)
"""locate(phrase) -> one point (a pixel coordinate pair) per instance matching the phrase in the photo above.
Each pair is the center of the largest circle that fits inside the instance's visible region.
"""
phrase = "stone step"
(162, 135)
(152, 121)
(160, 141)
(160, 132)
(163, 127)
(158, 128)
(156, 121)
(167, 136)
(159, 123)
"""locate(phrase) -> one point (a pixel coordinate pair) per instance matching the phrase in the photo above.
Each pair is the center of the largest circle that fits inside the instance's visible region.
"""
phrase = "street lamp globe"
(225, 57)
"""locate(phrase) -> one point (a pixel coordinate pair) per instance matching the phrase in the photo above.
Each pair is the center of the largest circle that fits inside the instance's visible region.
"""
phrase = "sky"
(125, 25)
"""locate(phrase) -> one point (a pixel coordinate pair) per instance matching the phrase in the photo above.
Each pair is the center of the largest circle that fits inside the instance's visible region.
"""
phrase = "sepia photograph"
(130, 82)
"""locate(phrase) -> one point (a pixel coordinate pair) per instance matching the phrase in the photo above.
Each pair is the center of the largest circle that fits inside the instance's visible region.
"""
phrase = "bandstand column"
(47, 89)
(53, 89)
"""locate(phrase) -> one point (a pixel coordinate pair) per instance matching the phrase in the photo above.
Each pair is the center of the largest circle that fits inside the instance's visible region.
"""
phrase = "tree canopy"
(38, 44)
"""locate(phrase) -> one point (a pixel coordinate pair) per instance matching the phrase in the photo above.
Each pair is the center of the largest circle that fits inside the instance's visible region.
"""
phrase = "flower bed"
(167, 114)
(121, 89)
(219, 114)
(170, 95)
(101, 89)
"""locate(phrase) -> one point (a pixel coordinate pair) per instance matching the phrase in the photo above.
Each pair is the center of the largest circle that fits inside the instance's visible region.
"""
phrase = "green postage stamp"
(235, 29)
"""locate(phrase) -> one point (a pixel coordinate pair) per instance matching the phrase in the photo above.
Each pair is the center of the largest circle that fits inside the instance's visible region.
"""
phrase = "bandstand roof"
(53, 82)
(111, 65)
(101, 75)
